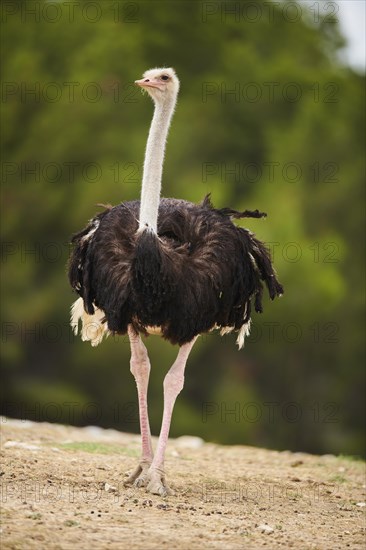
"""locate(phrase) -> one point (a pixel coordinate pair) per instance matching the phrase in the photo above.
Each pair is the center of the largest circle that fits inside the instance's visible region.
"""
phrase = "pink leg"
(140, 368)
(173, 384)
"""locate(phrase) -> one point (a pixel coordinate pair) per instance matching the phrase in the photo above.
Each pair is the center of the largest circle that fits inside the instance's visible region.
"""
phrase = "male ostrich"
(168, 267)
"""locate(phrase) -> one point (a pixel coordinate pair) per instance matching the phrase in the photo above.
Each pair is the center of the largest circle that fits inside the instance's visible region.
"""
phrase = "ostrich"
(167, 267)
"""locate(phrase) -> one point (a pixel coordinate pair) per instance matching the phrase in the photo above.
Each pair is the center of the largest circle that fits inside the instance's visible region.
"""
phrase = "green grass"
(338, 478)
(97, 448)
(351, 458)
(35, 516)
(71, 523)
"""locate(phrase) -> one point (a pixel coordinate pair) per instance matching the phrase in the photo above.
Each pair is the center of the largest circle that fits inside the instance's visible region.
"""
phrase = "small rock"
(296, 463)
(189, 442)
(361, 504)
(163, 506)
(21, 445)
(109, 488)
(96, 431)
(264, 528)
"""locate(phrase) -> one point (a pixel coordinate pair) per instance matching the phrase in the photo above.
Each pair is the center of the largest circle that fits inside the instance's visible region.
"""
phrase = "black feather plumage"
(200, 272)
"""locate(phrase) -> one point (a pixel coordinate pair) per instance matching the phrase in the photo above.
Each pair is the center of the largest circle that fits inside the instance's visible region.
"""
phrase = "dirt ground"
(62, 488)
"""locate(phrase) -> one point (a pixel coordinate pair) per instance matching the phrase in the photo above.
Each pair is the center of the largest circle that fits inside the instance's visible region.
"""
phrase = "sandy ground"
(62, 488)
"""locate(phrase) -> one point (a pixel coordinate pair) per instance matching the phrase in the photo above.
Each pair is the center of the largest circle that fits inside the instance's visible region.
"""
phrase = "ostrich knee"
(140, 364)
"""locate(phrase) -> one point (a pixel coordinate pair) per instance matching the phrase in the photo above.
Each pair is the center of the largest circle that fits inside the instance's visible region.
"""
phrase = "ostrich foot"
(139, 475)
(156, 483)
(151, 478)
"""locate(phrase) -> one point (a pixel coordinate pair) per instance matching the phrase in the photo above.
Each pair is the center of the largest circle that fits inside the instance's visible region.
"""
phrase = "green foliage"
(99, 448)
(259, 100)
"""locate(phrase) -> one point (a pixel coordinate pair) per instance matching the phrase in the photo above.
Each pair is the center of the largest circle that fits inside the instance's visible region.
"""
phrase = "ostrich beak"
(149, 83)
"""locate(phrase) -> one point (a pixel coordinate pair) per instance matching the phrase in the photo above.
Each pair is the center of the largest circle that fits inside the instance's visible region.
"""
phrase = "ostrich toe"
(156, 483)
(139, 475)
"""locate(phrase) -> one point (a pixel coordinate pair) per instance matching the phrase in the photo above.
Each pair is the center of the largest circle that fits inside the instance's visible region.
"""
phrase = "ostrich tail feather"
(93, 327)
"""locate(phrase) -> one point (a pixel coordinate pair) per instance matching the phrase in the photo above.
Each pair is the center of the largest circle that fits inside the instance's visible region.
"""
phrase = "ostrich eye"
(165, 77)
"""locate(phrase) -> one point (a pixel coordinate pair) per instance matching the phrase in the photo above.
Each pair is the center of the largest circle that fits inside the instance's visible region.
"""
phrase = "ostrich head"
(160, 84)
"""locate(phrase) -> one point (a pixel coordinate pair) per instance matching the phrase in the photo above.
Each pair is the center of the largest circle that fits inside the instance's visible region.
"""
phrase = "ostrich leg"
(140, 368)
(173, 384)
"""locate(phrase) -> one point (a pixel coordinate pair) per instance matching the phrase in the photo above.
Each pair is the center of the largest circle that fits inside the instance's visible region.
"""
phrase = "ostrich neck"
(153, 165)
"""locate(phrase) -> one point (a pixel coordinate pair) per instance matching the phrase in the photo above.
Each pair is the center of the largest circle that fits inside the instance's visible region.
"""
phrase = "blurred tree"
(267, 118)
